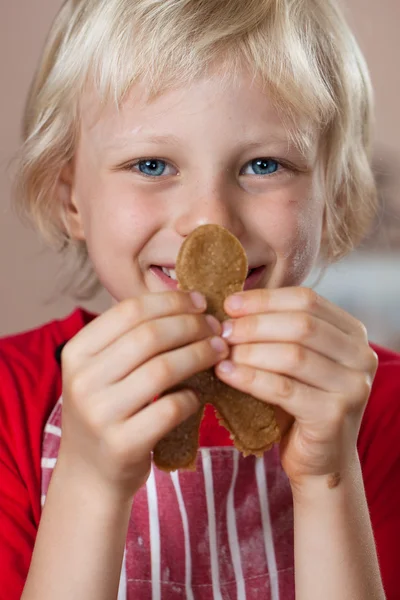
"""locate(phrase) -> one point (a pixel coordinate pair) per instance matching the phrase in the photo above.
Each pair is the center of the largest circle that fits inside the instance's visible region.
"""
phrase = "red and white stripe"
(185, 525)
(222, 532)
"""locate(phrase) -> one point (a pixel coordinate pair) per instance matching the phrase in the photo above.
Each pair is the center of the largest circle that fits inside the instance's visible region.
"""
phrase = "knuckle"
(296, 356)
(260, 297)
(362, 386)
(78, 386)
(171, 410)
(196, 324)
(202, 352)
(96, 420)
(284, 387)
(177, 301)
(172, 302)
(149, 334)
(249, 375)
(243, 353)
(163, 370)
(309, 298)
(305, 326)
(372, 361)
(130, 309)
(67, 355)
(248, 326)
(363, 330)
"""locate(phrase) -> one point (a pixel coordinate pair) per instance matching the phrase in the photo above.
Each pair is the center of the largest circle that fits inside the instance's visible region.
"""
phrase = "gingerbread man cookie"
(212, 261)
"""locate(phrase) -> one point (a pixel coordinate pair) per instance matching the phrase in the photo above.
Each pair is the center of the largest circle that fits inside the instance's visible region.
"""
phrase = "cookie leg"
(250, 421)
(178, 449)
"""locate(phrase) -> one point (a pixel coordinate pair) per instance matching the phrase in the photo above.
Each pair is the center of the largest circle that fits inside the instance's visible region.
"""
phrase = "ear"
(71, 215)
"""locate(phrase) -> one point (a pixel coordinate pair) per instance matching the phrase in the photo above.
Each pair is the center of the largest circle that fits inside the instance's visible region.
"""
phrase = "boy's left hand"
(312, 361)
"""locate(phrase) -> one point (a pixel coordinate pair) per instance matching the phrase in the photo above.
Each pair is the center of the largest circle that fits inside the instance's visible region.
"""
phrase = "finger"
(163, 372)
(295, 299)
(144, 342)
(304, 329)
(303, 402)
(296, 362)
(128, 314)
(154, 421)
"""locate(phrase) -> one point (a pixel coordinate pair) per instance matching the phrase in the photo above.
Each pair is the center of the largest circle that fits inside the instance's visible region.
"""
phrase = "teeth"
(170, 272)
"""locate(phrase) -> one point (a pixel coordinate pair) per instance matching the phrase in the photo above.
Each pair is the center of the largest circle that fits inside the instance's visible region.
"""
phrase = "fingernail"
(218, 344)
(198, 300)
(235, 302)
(214, 324)
(227, 329)
(226, 366)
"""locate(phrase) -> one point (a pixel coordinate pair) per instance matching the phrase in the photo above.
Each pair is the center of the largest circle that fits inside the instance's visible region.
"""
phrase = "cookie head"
(212, 261)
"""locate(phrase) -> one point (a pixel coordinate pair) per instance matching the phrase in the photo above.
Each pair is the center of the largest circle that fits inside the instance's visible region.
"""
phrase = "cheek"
(117, 227)
(109, 206)
(115, 217)
(303, 244)
(294, 234)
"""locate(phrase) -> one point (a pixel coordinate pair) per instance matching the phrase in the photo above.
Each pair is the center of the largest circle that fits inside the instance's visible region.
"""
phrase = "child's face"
(203, 143)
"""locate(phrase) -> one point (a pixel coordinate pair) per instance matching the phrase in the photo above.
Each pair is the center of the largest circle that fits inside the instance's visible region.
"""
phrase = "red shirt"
(232, 502)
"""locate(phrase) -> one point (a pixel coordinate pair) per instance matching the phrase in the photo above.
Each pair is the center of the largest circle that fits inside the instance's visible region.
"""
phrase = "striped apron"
(223, 532)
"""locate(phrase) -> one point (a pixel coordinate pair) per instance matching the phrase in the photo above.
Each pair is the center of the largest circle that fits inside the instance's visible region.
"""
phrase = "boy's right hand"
(114, 368)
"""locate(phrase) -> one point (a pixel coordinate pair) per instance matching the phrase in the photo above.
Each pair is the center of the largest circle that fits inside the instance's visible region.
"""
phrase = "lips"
(253, 278)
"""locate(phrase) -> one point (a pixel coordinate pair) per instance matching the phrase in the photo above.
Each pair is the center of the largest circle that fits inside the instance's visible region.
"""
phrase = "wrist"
(333, 535)
(89, 521)
(314, 489)
(82, 481)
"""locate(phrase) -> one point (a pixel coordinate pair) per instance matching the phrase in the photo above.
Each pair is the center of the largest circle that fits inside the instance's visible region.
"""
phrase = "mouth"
(167, 275)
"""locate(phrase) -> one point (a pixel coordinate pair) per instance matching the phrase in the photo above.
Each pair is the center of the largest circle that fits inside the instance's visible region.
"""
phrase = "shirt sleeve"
(17, 531)
(22, 413)
(30, 385)
(379, 451)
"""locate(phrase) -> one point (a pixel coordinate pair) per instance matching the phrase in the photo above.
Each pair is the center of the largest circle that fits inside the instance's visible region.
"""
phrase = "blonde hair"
(301, 50)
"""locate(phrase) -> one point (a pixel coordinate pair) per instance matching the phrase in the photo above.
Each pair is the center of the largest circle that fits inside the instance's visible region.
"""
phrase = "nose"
(218, 206)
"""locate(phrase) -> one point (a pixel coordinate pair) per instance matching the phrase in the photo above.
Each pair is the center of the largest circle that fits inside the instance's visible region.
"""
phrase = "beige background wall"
(27, 269)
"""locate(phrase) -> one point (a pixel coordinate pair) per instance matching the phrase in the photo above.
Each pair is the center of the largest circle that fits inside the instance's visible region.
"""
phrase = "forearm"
(80, 543)
(335, 555)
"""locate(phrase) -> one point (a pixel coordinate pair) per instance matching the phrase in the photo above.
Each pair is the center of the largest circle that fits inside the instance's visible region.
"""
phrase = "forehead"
(239, 106)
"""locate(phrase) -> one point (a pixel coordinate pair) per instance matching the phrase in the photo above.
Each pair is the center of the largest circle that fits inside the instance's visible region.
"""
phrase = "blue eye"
(156, 168)
(152, 168)
(264, 166)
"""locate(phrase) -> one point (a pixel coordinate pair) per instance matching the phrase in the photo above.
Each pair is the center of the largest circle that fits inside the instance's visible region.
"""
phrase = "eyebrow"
(152, 139)
(173, 139)
(284, 142)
